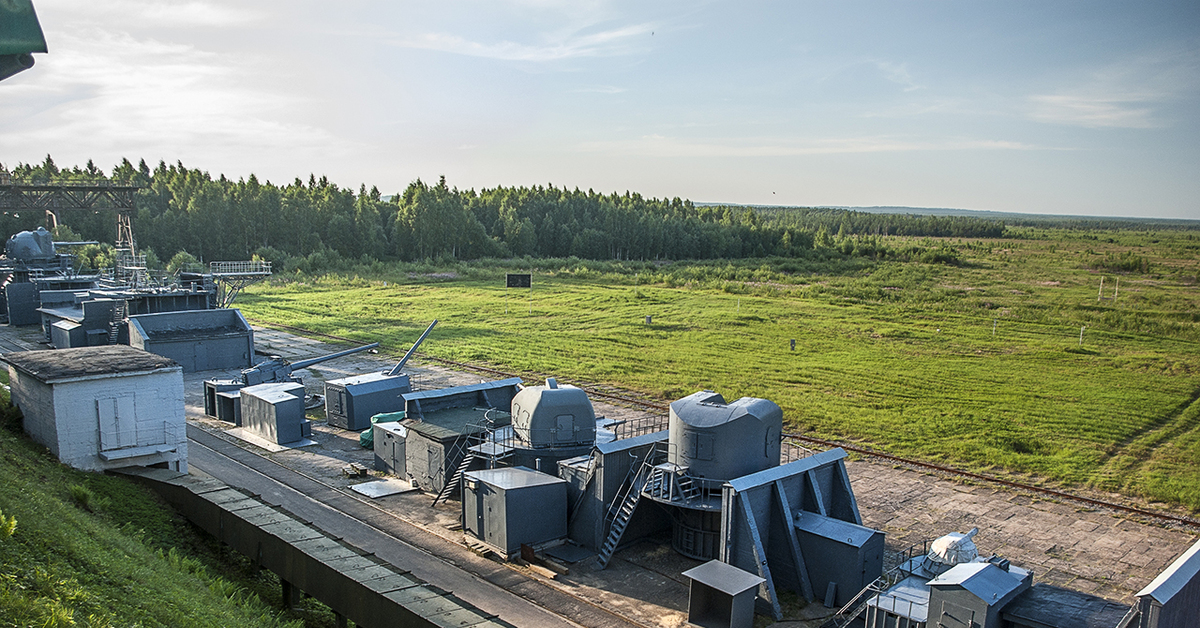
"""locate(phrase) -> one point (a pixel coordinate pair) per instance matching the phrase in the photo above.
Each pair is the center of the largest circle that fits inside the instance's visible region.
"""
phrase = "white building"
(100, 408)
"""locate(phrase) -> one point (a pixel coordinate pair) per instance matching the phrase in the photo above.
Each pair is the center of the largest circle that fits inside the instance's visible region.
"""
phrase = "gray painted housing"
(972, 595)
(722, 441)
(199, 340)
(553, 416)
(508, 507)
(1172, 600)
(275, 412)
(350, 402)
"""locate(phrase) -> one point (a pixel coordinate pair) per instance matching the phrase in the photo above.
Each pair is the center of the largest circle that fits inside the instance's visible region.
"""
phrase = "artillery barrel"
(404, 360)
(303, 364)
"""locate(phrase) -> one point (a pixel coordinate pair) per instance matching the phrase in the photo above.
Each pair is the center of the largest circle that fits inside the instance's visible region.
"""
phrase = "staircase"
(454, 482)
(118, 318)
(626, 504)
(858, 603)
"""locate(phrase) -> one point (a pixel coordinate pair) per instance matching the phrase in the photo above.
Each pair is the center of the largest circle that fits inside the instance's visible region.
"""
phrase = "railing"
(256, 267)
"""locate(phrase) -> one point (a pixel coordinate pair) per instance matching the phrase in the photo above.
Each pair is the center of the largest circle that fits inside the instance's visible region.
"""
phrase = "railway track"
(658, 406)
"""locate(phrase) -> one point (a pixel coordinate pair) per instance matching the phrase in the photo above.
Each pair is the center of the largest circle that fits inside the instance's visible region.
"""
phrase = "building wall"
(148, 410)
(36, 401)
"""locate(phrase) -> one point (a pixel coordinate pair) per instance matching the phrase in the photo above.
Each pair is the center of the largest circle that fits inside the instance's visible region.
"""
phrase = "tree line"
(306, 224)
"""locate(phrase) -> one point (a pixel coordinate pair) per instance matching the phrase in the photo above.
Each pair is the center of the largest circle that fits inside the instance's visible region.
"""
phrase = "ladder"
(455, 481)
(689, 489)
(625, 507)
(114, 325)
(858, 603)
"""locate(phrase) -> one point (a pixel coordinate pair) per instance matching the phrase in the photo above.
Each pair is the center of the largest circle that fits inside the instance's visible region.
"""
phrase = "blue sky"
(1044, 107)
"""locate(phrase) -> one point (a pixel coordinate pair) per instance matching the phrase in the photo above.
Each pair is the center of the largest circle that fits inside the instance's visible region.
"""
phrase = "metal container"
(721, 441)
(275, 412)
(506, 508)
(350, 402)
(389, 446)
(553, 416)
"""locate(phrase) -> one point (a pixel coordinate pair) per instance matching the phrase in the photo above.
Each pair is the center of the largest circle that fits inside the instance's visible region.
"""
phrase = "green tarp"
(20, 32)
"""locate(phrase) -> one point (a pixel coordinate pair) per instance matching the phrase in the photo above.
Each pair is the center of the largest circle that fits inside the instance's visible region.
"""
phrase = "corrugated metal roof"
(56, 365)
(985, 580)
(1172, 579)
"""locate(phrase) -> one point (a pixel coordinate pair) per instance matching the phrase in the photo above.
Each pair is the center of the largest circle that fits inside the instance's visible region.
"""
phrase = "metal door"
(955, 616)
(118, 425)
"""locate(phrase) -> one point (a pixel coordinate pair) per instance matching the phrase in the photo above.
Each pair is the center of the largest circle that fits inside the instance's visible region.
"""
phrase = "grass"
(85, 549)
(978, 365)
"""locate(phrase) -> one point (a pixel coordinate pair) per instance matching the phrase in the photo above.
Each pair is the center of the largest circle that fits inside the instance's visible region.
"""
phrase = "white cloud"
(605, 43)
(103, 91)
(661, 146)
(1129, 94)
(1095, 110)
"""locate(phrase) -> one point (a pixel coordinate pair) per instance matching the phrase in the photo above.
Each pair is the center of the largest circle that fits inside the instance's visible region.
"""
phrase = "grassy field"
(978, 365)
(86, 549)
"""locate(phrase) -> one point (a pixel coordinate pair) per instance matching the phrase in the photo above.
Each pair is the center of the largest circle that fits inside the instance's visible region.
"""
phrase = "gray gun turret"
(279, 370)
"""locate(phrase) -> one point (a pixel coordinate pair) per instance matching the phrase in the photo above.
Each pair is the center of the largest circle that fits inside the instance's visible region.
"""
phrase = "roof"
(984, 580)
(1047, 606)
(834, 529)
(513, 477)
(724, 578)
(797, 467)
(907, 598)
(58, 365)
(1175, 577)
(455, 390)
(622, 444)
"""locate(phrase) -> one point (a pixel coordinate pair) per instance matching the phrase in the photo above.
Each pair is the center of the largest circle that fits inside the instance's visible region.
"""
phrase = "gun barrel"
(404, 360)
(303, 364)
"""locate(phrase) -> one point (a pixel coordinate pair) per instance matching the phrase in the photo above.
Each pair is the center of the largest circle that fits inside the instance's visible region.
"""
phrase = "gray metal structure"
(274, 370)
(721, 596)
(198, 340)
(505, 508)
(552, 416)
(1171, 600)
(442, 424)
(1048, 606)
(594, 483)
(390, 442)
(719, 441)
(350, 402)
(761, 532)
(972, 595)
(275, 412)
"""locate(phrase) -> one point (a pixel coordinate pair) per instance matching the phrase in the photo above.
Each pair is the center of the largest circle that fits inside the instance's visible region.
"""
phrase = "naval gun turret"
(275, 370)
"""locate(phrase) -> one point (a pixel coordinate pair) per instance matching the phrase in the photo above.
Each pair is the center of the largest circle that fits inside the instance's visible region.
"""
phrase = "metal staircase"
(624, 507)
(454, 482)
(114, 324)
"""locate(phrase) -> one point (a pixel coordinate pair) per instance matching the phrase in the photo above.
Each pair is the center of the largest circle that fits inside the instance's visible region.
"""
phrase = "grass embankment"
(978, 365)
(94, 550)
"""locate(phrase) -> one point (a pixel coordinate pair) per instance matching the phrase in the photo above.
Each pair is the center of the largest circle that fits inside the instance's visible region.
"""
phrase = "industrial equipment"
(20, 35)
(350, 402)
(274, 370)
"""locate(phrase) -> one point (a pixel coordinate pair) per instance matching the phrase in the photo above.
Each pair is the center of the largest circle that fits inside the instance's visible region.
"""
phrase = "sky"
(1088, 108)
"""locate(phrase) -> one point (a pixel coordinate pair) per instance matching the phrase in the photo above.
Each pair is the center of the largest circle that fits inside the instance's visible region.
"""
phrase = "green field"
(977, 365)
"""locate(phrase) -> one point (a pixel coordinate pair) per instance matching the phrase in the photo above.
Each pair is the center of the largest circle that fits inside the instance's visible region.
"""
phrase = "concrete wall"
(36, 401)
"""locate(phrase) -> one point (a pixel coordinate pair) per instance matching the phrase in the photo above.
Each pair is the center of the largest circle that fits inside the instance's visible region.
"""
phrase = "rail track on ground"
(657, 405)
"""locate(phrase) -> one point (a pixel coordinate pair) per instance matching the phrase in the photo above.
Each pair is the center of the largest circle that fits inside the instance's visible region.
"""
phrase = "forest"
(317, 225)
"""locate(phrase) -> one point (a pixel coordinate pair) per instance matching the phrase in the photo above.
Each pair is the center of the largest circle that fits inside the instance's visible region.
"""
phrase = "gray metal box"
(507, 507)
(275, 412)
(229, 406)
(835, 551)
(389, 448)
(350, 402)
